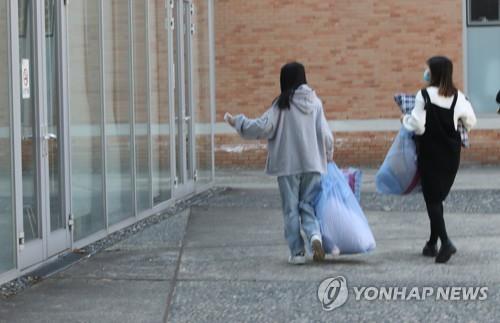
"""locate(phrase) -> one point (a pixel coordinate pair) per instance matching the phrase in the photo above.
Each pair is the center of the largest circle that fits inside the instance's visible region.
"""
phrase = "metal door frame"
(32, 252)
(60, 240)
(185, 183)
(49, 244)
(15, 119)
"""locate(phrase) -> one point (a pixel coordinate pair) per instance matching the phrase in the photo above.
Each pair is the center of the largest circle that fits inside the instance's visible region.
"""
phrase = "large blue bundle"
(342, 221)
(398, 174)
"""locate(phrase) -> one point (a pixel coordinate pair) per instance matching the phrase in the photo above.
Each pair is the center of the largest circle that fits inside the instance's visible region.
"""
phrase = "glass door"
(183, 102)
(58, 234)
(7, 237)
(44, 220)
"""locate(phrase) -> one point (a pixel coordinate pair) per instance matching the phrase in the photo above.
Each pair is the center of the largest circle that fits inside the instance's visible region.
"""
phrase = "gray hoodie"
(299, 139)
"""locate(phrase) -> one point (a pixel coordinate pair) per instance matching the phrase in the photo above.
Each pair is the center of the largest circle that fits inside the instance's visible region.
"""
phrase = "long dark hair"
(292, 76)
(442, 75)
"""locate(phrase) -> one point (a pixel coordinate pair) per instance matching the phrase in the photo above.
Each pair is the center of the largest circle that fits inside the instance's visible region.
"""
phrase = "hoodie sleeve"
(326, 134)
(260, 128)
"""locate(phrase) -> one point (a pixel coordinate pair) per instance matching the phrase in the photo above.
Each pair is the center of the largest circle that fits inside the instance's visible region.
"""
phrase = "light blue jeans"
(298, 193)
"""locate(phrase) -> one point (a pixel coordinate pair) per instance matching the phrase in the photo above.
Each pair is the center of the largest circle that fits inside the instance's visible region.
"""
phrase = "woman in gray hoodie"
(300, 143)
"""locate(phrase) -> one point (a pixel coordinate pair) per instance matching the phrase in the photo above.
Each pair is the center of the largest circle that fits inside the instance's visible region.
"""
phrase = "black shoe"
(445, 252)
(430, 250)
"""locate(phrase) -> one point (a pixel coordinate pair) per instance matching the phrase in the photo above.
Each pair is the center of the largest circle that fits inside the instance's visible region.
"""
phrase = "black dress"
(438, 151)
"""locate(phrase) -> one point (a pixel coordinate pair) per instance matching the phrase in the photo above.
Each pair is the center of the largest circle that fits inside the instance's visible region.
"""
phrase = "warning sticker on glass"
(25, 78)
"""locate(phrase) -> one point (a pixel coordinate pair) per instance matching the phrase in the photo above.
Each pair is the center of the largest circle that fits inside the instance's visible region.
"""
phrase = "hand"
(228, 117)
(402, 117)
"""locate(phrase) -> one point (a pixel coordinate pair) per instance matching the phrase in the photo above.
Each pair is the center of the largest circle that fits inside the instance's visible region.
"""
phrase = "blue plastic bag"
(342, 221)
(398, 174)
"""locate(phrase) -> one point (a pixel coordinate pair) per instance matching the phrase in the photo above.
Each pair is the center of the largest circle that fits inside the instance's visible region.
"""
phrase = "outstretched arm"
(260, 128)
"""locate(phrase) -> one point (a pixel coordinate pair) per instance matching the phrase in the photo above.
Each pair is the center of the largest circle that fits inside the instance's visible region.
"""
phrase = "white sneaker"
(317, 247)
(297, 260)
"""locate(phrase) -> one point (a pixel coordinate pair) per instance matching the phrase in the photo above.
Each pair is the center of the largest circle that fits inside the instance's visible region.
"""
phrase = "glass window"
(115, 35)
(143, 182)
(30, 148)
(483, 66)
(201, 90)
(57, 217)
(484, 12)
(86, 117)
(159, 100)
(6, 214)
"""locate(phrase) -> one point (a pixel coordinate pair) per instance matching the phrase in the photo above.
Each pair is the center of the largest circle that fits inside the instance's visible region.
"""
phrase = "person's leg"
(289, 191)
(447, 248)
(438, 226)
(310, 186)
(434, 230)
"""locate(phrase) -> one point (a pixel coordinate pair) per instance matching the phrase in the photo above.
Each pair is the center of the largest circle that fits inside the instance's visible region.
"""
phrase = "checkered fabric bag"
(406, 103)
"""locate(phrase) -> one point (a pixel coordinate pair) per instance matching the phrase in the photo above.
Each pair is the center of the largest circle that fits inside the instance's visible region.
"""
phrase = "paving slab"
(126, 264)
(166, 234)
(232, 226)
(458, 201)
(399, 262)
(222, 226)
(231, 247)
(128, 282)
(296, 301)
(88, 300)
(234, 268)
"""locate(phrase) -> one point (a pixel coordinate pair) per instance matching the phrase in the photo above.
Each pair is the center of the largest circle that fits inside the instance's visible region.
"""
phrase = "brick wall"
(357, 55)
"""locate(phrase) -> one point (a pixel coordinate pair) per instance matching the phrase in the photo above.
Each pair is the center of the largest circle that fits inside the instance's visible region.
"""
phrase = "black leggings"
(438, 227)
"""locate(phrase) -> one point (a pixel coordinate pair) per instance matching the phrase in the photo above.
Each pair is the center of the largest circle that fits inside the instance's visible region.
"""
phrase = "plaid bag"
(406, 103)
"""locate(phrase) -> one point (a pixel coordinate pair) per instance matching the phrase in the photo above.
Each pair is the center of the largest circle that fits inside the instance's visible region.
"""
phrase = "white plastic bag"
(342, 221)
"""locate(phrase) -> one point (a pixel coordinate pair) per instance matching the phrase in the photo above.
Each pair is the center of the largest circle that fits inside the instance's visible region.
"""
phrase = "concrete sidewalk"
(224, 260)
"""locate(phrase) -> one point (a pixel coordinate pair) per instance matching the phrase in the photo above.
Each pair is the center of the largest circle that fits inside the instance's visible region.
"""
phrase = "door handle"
(50, 136)
(45, 146)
